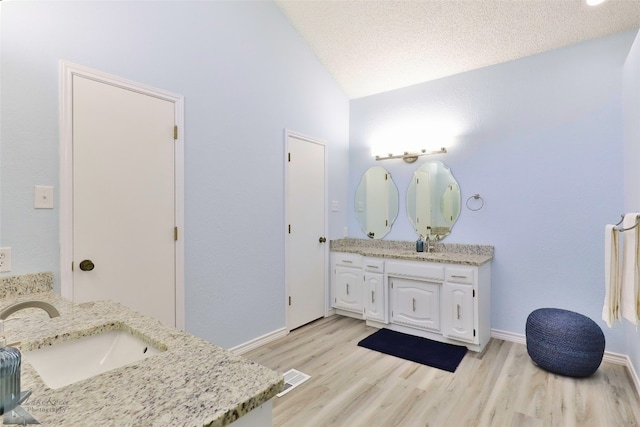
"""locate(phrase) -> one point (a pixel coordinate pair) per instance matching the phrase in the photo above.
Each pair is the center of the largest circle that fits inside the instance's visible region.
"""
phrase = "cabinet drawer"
(373, 265)
(415, 269)
(460, 275)
(346, 259)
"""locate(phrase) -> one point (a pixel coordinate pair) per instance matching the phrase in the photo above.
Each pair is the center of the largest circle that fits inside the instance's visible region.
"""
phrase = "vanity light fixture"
(411, 157)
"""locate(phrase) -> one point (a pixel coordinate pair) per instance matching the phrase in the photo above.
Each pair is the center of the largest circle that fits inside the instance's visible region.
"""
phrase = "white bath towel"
(630, 269)
(611, 308)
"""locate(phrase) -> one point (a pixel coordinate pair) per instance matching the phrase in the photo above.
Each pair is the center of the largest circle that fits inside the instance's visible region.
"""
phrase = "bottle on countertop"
(420, 244)
(10, 363)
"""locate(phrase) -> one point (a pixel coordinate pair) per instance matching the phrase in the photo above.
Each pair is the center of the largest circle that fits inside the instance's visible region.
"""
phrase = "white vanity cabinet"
(446, 302)
(375, 296)
(347, 282)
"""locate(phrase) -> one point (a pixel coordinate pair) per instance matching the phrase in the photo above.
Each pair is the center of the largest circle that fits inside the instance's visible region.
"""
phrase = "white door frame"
(287, 134)
(67, 71)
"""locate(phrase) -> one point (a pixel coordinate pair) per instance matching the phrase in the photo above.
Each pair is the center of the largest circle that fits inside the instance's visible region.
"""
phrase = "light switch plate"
(5, 259)
(43, 197)
(335, 206)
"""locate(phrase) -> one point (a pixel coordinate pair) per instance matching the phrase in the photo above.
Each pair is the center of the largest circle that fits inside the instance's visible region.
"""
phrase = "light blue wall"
(631, 103)
(245, 74)
(540, 139)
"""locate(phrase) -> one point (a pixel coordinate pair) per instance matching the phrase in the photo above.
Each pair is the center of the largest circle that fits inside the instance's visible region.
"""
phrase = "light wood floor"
(353, 386)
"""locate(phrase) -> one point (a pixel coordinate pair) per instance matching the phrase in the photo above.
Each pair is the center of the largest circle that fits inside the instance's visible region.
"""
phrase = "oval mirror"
(376, 202)
(433, 200)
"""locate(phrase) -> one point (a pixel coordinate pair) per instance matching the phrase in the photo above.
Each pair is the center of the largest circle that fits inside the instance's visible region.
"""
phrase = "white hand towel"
(630, 269)
(611, 308)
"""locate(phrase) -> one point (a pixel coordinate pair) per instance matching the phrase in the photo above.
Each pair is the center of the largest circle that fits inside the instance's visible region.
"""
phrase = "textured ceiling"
(376, 46)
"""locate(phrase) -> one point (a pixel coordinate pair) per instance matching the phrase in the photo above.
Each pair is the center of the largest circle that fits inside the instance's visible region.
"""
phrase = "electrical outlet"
(5, 259)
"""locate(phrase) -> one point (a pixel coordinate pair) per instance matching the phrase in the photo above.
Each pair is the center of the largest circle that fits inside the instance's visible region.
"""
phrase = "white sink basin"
(77, 359)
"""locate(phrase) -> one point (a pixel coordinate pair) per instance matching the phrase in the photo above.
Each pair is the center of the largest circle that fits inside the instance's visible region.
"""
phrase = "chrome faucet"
(8, 311)
(429, 246)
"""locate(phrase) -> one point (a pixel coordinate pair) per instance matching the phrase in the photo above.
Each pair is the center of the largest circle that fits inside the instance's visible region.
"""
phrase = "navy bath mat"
(416, 349)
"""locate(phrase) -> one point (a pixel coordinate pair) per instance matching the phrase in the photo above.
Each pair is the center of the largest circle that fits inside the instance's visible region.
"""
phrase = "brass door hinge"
(289, 156)
(71, 265)
(175, 132)
(289, 228)
(175, 233)
(289, 300)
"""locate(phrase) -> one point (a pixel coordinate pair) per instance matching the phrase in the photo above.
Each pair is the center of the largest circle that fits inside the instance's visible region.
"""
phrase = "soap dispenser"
(420, 244)
(10, 362)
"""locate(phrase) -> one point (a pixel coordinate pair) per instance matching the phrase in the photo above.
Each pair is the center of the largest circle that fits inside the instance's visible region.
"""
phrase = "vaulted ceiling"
(372, 46)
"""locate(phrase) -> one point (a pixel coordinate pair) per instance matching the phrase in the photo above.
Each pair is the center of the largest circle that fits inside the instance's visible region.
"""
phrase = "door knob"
(87, 265)
(322, 239)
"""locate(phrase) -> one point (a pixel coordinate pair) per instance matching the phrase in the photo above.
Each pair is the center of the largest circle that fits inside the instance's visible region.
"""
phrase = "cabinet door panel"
(458, 316)
(348, 288)
(374, 297)
(415, 303)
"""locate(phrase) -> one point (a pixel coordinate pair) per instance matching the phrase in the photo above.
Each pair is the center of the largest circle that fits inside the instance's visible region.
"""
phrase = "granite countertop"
(192, 383)
(444, 253)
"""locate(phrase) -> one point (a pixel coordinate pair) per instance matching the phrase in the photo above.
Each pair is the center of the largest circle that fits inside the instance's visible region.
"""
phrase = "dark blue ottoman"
(564, 342)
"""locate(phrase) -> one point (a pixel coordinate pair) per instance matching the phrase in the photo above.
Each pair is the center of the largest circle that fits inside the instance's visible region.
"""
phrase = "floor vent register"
(292, 379)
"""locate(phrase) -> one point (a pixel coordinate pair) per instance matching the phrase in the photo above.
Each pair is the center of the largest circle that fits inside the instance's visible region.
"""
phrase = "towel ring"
(621, 219)
(622, 229)
(476, 197)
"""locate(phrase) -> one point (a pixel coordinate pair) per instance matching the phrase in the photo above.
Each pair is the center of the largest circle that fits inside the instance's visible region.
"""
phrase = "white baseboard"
(508, 336)
(634, 375)
(609, 356)
(257, 342)
(617, 358)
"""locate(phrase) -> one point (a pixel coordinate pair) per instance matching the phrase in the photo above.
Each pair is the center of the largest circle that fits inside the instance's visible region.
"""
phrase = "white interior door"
(306, 252)
(124, 198)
